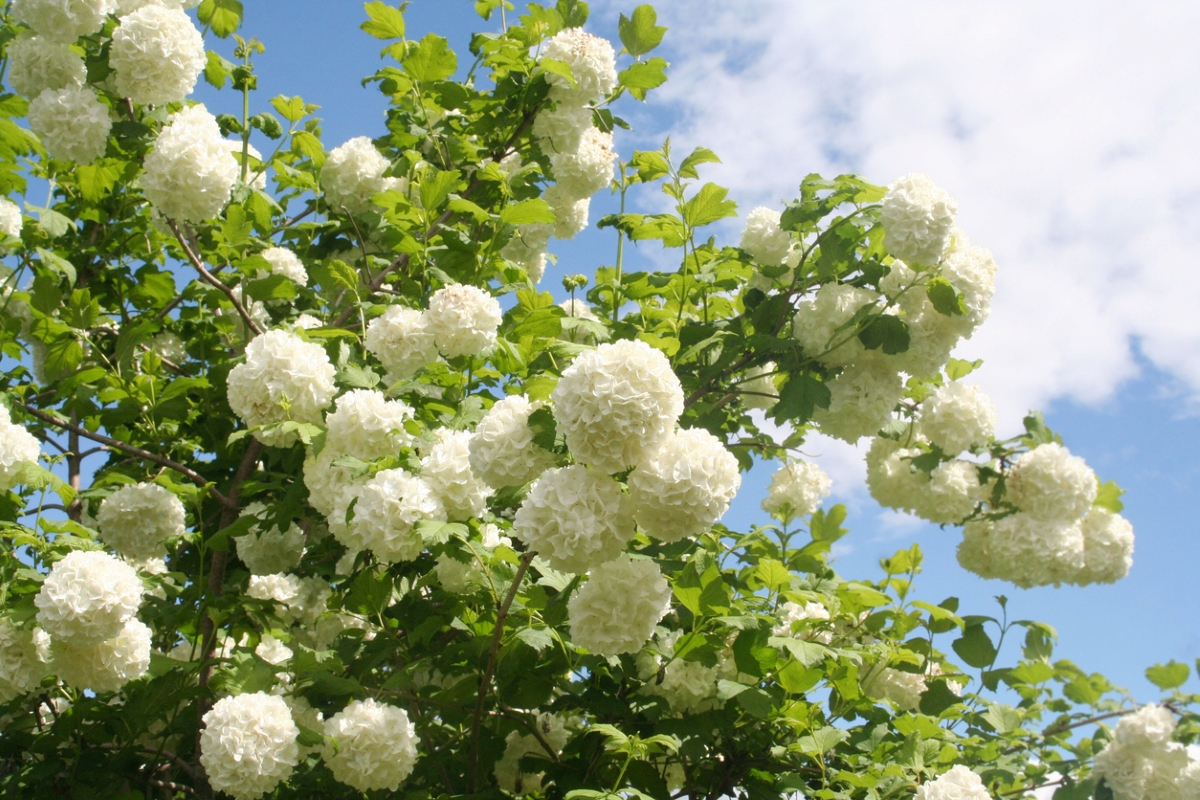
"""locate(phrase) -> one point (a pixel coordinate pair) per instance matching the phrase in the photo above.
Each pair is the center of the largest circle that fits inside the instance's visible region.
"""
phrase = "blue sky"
(1066, 134)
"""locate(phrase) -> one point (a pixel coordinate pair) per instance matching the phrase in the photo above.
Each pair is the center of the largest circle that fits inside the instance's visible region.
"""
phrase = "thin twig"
(211, 279)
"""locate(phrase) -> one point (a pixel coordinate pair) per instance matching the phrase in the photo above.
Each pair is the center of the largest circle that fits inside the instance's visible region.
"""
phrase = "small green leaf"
(385, 22)
(1168, 676)
(799, 397)
(1109, 496)
(544, 428)
(640, 34)
(431, 60)
(527, 212)
(217, 70)
(708, 206)
(223, 16)
(95, 181)
(293, 109)
(643, 76)
(957, 368)
(701, 155)
(436, 186)
(884, 331)
(944, 298)
(937, 698)
(975, 647)
(560, 68)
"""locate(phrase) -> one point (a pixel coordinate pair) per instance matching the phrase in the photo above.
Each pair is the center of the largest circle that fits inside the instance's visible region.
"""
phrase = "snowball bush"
(402, 341)
(36, 64)
(370, 746)
(463, 320)
(575, 518)
(763, 239)
(593, 66)
(157, 54)
(502, 451)
(684, 488)
(819, 323)
(587, 169)
(918, 218)
(139, 520)
(18, 447)
(88, 597)
(284, 262)
(190, 173)
(367, 425)
(352, 175)
(248, 744)
(266, 550)
(958, 417)
(72, 123)
(447, 470)
(388, 508)
(957, 783)
(282, 378)
(1048, 483)
(796, 490)
(616, 610)
(108, 665)
(61, 20)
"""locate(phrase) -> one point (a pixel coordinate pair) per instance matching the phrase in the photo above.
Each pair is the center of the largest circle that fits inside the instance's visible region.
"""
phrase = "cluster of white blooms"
(353, 174)
(36, 64)
(689, 687)
(23, 657)
(447, 470)
(803, 621)
(502, 451)
(268, 550)
(302, 599)
(519, 745)
(88, 597)
(862, 398)
(758, 387)
(463, 319)
(157, 55)
(1048, 483)
(272, 650)
(958, 417)
(62, 20)
(457, 577)
(169, 346)
(284, 262)
(972, 271)
(818, 323)
(946, 495)
(11, 222)
(1141, 762)
(957, 783)
(138, 520)
(796, 490)
(108, 665)
(575, 518)
(587, 169)
(763, 238)
(402, 340)
(593, 66)
(1107, 547)
(528, 248)
(248, 744)
(617, 404)
(388, 509)
(18, 447)
(570, 212)
(616, 610)
(561, 128)
(1024, 550)
(282, 378)
(370, 745)
(918, 219)
(71, 122)
(190, 173)
(902, 688)
(330, 487)
(367, 425)
(684, 488)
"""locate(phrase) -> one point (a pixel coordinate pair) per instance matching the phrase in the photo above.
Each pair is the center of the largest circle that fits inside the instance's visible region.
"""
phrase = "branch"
(116, 444)
(211, 279)
(533, 729)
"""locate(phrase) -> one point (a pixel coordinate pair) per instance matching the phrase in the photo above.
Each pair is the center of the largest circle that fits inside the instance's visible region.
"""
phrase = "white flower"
(464, 320)
(190, 173)
(491, 536)
(329, 488)
(902, 688)
(22, 666)
(1150, 726)
(891, 478)
(157, 54)
(589, 168)
(248, 745)
(528, 248)
(918, 219)
(72, 123)
(62, 20)
(974, 552)
(758, 387)
(579, 309)
(1023, 550)
(1141, 761)
(502, 451)
(367, 425)
(402, 341)
(571, 213)
(388, 508)
(796, 490)
(575, 518)
(276, 587)
(616, 610)
(272, 651)
(124, 7)
(1125, 770)
(617, 404)
(352, 175)
(305, 716)
(11, 222)
(88, 597)
(689, 687)
(284, 262)
(107, 666)
(307, 322)
(376, 745)
(36, 64)
(684, 488)
(593, 66)
(169, 346)
(958, 417)
(862, 398)
(1051, 484)
(303, 599)
(763, 239)
(972, 271)
(18, 447)
(948, 495)
(139, 519)
(447, 470)
(282, 378)
(457, 577)
(818, 323)
(525, 745)
(1107, 547)
(268, 550)
(560, 128)
(959, 783)
(799, 621)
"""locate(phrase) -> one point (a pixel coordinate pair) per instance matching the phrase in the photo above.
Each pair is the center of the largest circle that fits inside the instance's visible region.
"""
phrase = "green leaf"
(293, 109)
(217, 70)
(560, 68)
(537, 638)
(756, 703)
(1168, 676)
(639, 33)
(385, 22)
(1109, 496)
(937, 698)
(885, 331)
(975, 647)
(223, 16)
(650, 165)
(245, 674)
(50, 221)
(95, 181)
(13, 105)
(308, 146)
(460, 206)
(944, 298)
(527, 212)
(643, 76)
(545, 429)
(436, 186)
(272, 287)
(701, 155)
(1002, 718)
(956, 368)
(772, 574)
(795, 678)
(343, 274)
(58, 264)
(822, 741)
(355, 377)
(708, 206)
(799, 397)
(806, 652)
(431, 60)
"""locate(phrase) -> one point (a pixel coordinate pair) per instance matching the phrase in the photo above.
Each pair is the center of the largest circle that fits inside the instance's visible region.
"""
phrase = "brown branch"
(211, 279)
(533, 729)
(485, 684)
(169, 307)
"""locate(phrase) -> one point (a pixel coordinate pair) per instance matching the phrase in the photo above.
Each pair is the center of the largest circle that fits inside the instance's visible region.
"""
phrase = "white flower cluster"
(367, 425)
(402, 341)
(23, 659)
(248, 744)
(370, 745)
(618, 404)
(282, 378)
(947, 495)
(140, 519)
(1048, 483)
(353, 174)
(389, 507)
(447, 470)
(689, 687)
(803, 621)
(684, 488)
(190, 173)
(769, 245)
(502, 451)
(918, 218)
(11, 222)
(62, 21)
(587, 169)
(616, 610)
(593, 66)
(758, 387)
(269, 550)
(129, 6)
(107, 666)
(464, 320)
(457, 577)
(1141, 762)
(18, 447)
(71, 122)
(528, 247)
(796, 490)
(902, 688)
(575, 518)
(284, 262)
(525, 745)
(862, 398)
(88, 597)
(819, 323)
(957, 783)
(169, 346)
(958, 417)
(302, 599)
(36, 64)
(157, 55)
(272, 650)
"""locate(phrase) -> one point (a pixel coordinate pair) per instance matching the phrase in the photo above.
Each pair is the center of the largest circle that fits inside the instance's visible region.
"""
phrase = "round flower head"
(520, 746)
(616, 610)
(1107, 547)
(918, 218)
(972, 271)
(124, 7)
(758, 387)
(36, 64)
(617, 404)
(975, 550)
(447, 470)
(370, 745)
(248, 745)
(190, 173)
(138, 520)
(587, 169)
(88, 597)
(502, 451)
(818, 323)
(1126, 770)
(284, 262)
(575, 518)
(329, 487)
(388, 508)
(457, 577)
(798, 621)
(902, 688)
(107, 666)
(1023, 550)
(402, 341)
(684, 488)
(72, 123)
(61, 20)
(862, 398)
(891, 478)
(157, 54)
(763, 239)
(561, 128)
(528, 248)
(796, 490)
(571, 213)
(1051, 484)
(268, 550)
(11, 222)
(464, 320)
(949, 494)
(22, 659)
(958, 417)
(689, 687)
(18, 447)
(282, 378)
(593, 66)
(959, 783)
(352, 175)
(367, 425)
(169, 346)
